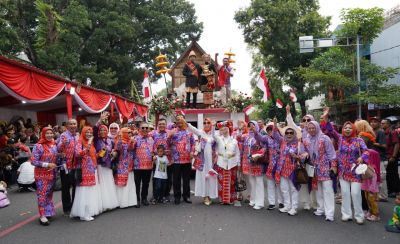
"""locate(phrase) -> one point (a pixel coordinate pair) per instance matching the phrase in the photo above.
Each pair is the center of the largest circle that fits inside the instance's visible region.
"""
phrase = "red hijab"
(43, 139)
(85, 142)
(228, 124)
(353, 132)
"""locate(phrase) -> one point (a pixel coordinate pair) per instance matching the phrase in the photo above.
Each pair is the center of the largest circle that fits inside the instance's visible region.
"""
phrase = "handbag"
(369, 172)
(76, 173)
(301, 176)
(240, 183)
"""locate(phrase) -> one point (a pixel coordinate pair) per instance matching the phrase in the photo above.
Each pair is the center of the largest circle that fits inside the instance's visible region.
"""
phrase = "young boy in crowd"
(393, 224)
(160, 175)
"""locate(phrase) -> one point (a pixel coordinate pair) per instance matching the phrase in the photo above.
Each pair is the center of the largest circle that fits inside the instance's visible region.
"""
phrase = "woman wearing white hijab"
(113, 130)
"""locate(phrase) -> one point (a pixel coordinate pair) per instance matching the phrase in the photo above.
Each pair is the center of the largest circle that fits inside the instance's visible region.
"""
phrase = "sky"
(221, 32)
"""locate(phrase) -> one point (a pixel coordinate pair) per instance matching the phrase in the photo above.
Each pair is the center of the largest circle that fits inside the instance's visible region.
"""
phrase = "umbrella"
(393, 118)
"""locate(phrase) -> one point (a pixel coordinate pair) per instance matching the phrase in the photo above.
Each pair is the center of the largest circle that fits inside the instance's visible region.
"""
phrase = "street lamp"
(308, 43)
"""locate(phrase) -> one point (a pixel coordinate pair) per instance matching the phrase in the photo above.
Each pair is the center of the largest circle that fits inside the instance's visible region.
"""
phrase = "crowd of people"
(108, 166)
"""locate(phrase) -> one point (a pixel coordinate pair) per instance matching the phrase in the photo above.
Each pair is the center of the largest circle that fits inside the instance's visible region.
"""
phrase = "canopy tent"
(24, 87)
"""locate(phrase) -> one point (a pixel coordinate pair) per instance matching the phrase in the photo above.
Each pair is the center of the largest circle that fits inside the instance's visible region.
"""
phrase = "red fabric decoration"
(124, 107)
(142, 110)
(27, 85)
(92, 101)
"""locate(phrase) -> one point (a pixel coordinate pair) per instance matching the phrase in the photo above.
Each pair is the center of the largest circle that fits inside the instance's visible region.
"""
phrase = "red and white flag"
(146, 88)
(292, 95)
(263, 85)
(249, 109)
(279, 103)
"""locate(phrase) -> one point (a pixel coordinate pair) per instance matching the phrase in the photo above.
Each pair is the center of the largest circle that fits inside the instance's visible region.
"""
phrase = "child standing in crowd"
(160, 174)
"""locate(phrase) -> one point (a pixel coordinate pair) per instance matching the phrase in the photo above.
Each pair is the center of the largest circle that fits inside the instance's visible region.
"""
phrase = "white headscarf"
(109, 130)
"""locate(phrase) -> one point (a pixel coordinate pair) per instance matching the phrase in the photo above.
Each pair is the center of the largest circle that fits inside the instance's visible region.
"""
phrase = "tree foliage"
(107, 40)
(273, 28)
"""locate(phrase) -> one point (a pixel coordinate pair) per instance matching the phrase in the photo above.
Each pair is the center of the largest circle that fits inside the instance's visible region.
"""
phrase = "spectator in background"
(392, 150)
(10, 132)
(28, 123)
(31, 136)
(380, 147)
(26, 177)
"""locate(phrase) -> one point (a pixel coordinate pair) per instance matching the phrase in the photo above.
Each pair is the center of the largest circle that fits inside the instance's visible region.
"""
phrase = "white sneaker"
(360, 221)
(87, 218)
(284, 210)
(292, 212)
(251, 204)
(318, 213)
(256, 207)
(307, 207)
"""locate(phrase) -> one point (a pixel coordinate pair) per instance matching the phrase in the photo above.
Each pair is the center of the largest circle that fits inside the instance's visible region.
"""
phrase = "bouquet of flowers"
(178, 102)
(161, 105)
(238, 103)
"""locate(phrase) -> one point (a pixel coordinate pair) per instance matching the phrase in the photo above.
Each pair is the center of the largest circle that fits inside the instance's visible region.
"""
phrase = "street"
(186, 223)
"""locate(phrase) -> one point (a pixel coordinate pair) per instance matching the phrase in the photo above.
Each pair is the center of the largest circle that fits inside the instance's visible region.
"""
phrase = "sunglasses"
(144, 128)
(306, 120)
(289, 133)
(206, 123)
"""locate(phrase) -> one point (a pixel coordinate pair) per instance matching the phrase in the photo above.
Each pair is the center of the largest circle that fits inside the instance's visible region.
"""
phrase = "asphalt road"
(188, 223)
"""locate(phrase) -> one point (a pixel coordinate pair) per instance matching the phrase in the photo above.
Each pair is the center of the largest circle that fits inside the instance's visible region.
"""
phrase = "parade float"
(209, 100)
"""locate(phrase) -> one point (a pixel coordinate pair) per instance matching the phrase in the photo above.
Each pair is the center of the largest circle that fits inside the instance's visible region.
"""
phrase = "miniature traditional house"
(196, 116)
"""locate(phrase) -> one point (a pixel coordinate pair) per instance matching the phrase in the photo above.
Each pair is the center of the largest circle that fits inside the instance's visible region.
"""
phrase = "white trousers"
(257, 190)
(326, 198)
(351, 191)
(273, 192)
(383, 191)
(289, 193)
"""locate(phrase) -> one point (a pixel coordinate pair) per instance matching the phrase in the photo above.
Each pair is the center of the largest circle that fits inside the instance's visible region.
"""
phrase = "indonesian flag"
(249, 109)
(279, 103)
(263, 85)
(292, 95)
(146, 87)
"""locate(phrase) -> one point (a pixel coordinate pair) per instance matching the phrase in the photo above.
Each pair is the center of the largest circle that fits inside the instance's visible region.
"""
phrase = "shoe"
(360, 221)
(284, 210)
(271, 207)
(367, 214)
(67, 214)
(87, 218)
(373, 218)
(256, 207)
(281, 205)
(307, 207)
(207, 201)
(137, 206)
(145, 203)
(237, 203)
(167, 199)
(44, 221)
(186, 200)
(31, 189)
(329, 219)
(153, 201)
(177, 201)
(318, 213)
(292, 212)
(347, 219)
(251, 204)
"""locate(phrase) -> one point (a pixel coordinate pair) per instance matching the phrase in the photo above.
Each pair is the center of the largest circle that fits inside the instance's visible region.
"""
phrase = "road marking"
(23, 223)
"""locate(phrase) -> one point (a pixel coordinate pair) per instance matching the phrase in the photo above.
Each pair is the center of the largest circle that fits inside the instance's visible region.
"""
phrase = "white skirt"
(127, 194)
(107, 188)
(87, 201)
(205, 185)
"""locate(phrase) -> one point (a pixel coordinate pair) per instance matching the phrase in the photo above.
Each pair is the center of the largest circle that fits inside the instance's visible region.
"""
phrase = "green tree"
(334, 72)
(107, 40)
(273, 28)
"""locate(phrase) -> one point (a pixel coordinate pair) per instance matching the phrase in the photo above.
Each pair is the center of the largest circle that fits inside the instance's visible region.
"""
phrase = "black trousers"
(67, 198)
(392, 177)
(168, 187)
(181, 174)
(142, 178)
